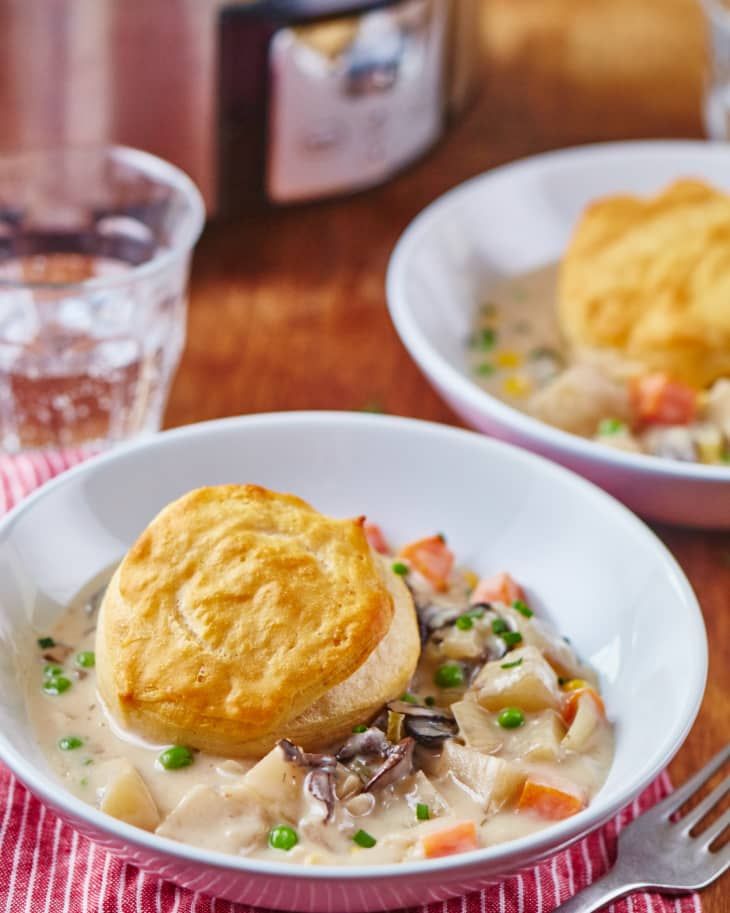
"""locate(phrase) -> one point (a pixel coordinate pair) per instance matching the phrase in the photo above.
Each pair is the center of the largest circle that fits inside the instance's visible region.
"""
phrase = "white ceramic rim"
(151, 166)
(541, 843)
(456, 382)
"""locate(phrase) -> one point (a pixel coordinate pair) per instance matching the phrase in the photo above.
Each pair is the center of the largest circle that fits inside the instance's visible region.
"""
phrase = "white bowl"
(601, 575)
(514, 219)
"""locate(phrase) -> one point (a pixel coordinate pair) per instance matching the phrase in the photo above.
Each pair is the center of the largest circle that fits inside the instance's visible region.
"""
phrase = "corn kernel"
(508, 358)
(471, 579)
(516, 385)
(575, 684)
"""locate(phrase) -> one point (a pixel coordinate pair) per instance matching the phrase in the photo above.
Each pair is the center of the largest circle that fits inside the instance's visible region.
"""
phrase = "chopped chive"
(52, 671)
(499, 626)
(484, 339)
(486, 369)
(511, 638)
(464, 623)
(360, 728)
(423, 812)
(46, 643)
(84, 781)
(87, 762)
(365, 840)
(409, 698)
(430, 701)
(523, 608)
(399, 568)
(517, 662)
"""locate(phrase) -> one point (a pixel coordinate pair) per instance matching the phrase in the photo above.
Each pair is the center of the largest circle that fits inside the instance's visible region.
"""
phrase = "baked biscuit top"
(650, 278)
(236, 609)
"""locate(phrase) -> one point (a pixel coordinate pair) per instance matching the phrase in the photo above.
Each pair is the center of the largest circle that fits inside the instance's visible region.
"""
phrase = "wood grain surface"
(288, 307)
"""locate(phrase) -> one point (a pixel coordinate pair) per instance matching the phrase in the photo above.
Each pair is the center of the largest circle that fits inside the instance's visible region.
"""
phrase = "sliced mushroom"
(58, 653)
(368, 743)
(431, 732)
(397, 764)
(320, 781)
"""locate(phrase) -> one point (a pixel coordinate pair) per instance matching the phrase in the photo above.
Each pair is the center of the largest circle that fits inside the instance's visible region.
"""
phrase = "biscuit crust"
(650, 278)
(235, 610)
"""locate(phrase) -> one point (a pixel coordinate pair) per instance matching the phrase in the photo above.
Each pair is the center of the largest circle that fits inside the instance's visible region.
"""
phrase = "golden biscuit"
(651, 279)
(236, 610)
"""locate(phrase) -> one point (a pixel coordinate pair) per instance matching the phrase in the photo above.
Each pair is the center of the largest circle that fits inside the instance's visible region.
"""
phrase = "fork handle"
(598, 894)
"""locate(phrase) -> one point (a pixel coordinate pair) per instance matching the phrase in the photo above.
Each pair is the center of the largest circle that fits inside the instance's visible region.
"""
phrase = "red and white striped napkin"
(46, 867)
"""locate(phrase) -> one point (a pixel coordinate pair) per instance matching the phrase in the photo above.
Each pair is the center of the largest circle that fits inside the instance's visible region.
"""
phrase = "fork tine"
(680, 796)
(695, 815)
(715, 829)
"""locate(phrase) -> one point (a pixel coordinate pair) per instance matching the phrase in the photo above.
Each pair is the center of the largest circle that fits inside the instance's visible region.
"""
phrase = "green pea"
(450, 675)
(283, 837)
(56, 684)
(464, 623)
(175, 757)
(423, 812)
(511, 718)
(409, 698)
(511, 638)
(609, 426)
(69, 742)
(399, 568)
(522, 608)
(499, 626)
(365, 840)
(86, 659)
(45, 643)
(361, 728)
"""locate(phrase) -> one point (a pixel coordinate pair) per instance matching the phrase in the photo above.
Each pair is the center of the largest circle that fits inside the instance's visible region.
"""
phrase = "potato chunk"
(489, 781)
(126, 797)
(540, 738)
(228, 819)
(531, 686)
(277, 783)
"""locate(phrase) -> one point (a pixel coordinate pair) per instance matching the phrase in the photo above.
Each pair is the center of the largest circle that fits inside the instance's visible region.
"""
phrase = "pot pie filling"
(625, 341)
(501, 732)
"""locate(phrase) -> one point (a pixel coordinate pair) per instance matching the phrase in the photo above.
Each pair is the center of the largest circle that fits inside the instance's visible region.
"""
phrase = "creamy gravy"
(211, 803)
(516, 352)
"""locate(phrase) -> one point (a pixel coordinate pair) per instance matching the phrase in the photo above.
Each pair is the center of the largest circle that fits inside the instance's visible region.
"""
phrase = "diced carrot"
(656, 399)
(457, 838)
(549, 801)
(500, 588)
(570, 704)
(376, 539)
(432, 558)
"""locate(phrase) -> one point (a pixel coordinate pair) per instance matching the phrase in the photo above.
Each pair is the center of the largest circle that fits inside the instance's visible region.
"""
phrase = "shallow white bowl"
(595, 569)
(514, 219)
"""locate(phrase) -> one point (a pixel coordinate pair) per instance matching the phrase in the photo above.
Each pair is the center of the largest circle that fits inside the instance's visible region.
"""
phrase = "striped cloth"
(46, 867)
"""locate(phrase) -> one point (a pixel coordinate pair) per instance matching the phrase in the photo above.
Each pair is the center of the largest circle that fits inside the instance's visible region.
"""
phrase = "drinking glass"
(717, 80)
(95, 248)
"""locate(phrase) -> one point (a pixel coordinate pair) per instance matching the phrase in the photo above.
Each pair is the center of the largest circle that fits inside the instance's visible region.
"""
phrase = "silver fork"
(656, 853)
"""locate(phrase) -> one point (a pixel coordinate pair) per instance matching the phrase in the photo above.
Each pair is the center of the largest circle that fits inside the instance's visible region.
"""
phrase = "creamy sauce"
(231, 805)
(516, 353)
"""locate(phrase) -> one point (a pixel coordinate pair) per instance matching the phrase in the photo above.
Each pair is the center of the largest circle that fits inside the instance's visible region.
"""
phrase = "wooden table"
(288, 308)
